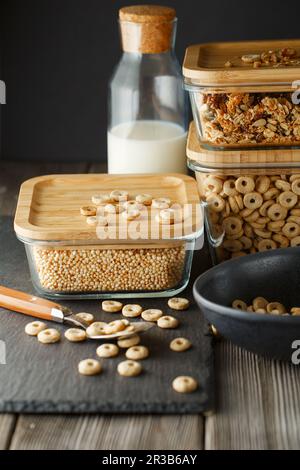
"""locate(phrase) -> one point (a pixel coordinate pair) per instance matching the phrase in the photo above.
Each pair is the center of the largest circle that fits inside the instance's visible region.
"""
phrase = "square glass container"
(245, 95)
(69, 258)
(251, 200)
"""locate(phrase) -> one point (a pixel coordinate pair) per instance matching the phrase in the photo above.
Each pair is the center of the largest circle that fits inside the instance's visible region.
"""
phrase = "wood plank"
(7, 424)
(109, 432)
(258, 402)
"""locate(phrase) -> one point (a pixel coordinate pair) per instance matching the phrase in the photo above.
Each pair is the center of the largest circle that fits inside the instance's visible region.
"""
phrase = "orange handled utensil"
(47, 310)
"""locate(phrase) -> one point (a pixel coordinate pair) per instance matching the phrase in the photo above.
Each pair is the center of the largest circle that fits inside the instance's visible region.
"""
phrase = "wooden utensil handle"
(29, 304)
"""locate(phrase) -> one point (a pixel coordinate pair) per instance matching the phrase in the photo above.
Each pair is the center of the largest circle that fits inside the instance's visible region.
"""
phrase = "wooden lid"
(49, 207)
(147, 14)
(237, 161)
(221, 63)
(147, 29)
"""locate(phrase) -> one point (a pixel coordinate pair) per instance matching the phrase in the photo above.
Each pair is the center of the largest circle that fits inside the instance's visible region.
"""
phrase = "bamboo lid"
(147, 29)
(249, 63)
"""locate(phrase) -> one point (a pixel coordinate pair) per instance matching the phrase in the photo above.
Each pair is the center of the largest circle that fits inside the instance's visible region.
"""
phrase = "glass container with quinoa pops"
(245, 95)
(115, 236)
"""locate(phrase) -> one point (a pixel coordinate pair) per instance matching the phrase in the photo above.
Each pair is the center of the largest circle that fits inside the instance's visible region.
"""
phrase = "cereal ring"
(152, 314)
(115, 327)
(296, 186)
(255, 225)
(98, 328)
(180, 344)
(277, 212)
(92, 220)
(229, 188)
(272, 193)
(264, 207)
(248, 230)
(294, 218)
(274, 178)
(119, 195)
(89, 367)
(236, 236)
(184, 384)
(129, 368)
(88, 210)
(245, 184)
(295, 311)
(291, 230)
(246, 213)
(276, 308)
(167, 322)
(262, 184)
(132, 205)
(295, 212)
(131, 214)
(266, 244)
(48, 336)
(214, 184)
(282, 185)
(215, 202)
(232, 225)
(295, 241)
(107, 350)
(246, 242)
(111, 306)
(226, 211)
(137, 352)
(238, 254)
(233, 205)
(259, 302)
(250, 309)
(87, 317)
(99, 199)
(260, 310)
(167, 216)
(288, 199)
(178, 303)
(132, 310)
(161, 203)
(145, 199)
(239, 200)
(276, 226)
(35, 327)
(252, 217)
(294, 177)
(239, 305)
(75, 335)
(213, 216)
(233, 245)
(283, 241)
(263, 233)
(253, 200)
(128, 342)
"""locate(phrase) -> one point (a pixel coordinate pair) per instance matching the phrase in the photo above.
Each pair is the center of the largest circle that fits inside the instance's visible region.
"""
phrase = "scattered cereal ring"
(75, 335)
(288, 199)
(253, 200)
(97, 328)
(137, 352)
(91, 220)
(295, 241)
(180, 344)
(129, 368)
(178, 303)
(239, 305)
(131, 214)
(100, 199)
(229, 187)
(87, 317)
(266, 244)
(276, 308)
(232, 225)
(277, 212)
(259, 302)
(295, 311)
(167, 322)
(128, 342)
(296, 186)
(48, 336)
(161, 203)
(119, 196)
(245, 184)
(113, 208)
(145, 199)
(35, 327)
(88, 210)
(89, 367)
(115, 327)
(291, 230)
(184, 384)
(215, 202)
(132, 310)
(152, 314)
(262, 184)
(111, 306)
(107, 350)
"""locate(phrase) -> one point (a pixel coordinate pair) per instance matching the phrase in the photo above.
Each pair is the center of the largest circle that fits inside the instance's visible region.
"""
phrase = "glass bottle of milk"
(147, 104)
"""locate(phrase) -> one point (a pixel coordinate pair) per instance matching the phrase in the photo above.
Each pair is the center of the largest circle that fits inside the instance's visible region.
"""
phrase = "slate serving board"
(44, 379)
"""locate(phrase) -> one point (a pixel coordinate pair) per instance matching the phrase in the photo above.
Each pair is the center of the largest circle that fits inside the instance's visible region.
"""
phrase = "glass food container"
(246, 94)
(147, 105)
(128, 249)
(251, 199)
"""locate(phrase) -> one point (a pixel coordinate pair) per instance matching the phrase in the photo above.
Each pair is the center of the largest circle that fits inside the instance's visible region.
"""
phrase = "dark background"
(56, 57)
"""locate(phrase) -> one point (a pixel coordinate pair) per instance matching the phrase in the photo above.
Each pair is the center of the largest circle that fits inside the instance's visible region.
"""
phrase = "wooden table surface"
(258, 400)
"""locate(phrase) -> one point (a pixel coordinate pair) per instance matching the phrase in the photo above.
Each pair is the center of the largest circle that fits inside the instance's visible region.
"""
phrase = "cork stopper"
(147, 29)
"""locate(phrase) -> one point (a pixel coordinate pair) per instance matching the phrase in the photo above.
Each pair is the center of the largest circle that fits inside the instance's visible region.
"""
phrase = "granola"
(250, 118)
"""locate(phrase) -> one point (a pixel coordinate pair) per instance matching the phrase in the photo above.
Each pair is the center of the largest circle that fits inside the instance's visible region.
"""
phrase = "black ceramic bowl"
(274, 275)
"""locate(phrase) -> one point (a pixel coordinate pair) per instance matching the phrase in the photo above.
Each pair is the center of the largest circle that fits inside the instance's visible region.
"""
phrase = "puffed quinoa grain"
(89, 367)
(33, 328)
(111, 306)
(184, 384)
